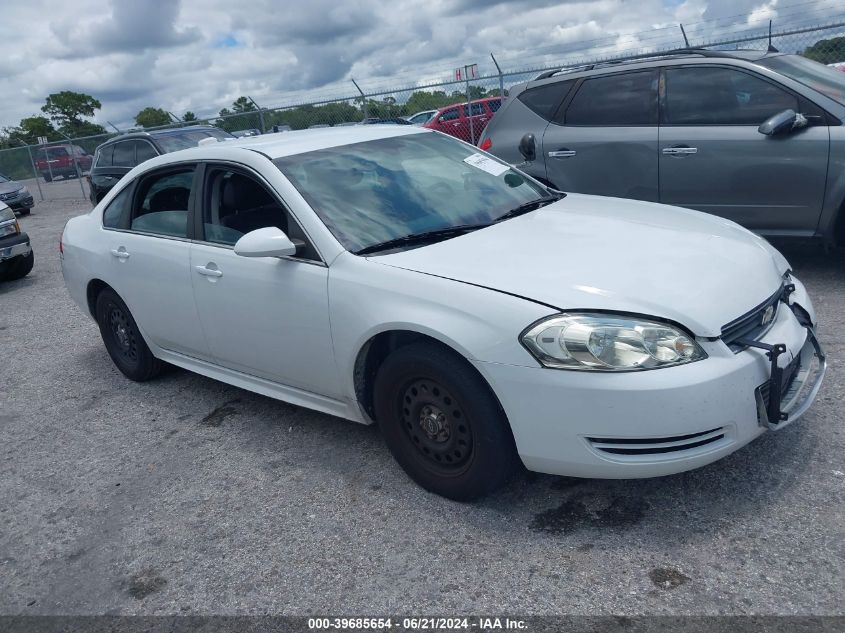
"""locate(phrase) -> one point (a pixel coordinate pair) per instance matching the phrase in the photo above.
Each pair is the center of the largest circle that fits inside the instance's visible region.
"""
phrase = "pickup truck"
(62, 160)
(16, 258)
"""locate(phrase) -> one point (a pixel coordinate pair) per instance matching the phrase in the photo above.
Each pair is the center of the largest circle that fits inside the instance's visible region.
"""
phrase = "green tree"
(29, 129)
(67, 110)
(827, 51)
(189, 116)
(152, 117)
(243, 104)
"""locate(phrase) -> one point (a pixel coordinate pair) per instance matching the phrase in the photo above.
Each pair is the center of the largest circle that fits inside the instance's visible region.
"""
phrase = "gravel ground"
(184, 495)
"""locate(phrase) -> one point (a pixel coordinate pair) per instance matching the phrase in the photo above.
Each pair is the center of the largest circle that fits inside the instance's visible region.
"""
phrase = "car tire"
(17, 268)
(123, 339)
(24, 211)
(47, 177)
(442, 422)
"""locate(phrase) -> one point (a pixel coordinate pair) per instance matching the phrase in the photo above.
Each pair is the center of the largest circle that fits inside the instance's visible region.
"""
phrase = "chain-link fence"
(471, 97)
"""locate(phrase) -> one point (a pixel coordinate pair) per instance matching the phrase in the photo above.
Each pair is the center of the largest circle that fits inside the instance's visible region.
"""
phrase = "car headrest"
(239, 192)
(170, 199)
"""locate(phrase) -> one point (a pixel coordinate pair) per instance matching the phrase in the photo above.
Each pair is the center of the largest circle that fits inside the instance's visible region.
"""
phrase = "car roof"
(173, 131)
(651, 59)
(283, 144)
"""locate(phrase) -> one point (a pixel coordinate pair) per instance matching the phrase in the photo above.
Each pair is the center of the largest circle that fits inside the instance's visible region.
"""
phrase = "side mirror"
(267, 242)
(528, 148)
(782, 122)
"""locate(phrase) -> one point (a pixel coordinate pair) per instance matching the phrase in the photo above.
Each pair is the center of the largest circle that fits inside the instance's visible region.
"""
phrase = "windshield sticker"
(479, 161)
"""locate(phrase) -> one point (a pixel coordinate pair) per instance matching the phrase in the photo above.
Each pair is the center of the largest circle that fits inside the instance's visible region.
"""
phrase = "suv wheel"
(123, 340)
(442, 423)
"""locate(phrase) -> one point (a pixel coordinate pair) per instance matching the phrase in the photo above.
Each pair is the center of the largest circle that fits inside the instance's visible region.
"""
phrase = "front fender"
(367, 298)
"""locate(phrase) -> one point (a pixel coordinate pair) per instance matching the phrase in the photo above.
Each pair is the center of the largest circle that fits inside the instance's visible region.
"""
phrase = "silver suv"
(753, 136)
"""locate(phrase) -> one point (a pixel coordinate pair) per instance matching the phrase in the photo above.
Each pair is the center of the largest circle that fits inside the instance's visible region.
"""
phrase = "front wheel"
(442, 422)
(47, 177)
(123, 340)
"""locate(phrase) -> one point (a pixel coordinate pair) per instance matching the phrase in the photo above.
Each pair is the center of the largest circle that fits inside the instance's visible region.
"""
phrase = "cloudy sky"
(200, 55)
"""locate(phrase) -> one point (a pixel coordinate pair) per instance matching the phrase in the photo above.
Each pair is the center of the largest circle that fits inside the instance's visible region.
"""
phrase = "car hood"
(595, 253)
(7, 187)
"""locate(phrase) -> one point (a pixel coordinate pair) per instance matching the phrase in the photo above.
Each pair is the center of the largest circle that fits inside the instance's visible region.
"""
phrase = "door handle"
(209, 272)
(562, 153)
(120, 253)
(680, 150)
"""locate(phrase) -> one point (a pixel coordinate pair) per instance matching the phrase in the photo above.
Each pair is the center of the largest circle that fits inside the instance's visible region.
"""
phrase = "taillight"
(486, 144)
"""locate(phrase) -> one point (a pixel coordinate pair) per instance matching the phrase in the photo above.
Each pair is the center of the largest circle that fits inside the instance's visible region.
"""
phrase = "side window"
(450, 115)
(104, 156)
(494, 105)
(545, 100)
(114, 216)
(161, 203)
(235, 204)
(477, 109)
(615, 100)
(707, 95)
(144, 151)
(124, 154)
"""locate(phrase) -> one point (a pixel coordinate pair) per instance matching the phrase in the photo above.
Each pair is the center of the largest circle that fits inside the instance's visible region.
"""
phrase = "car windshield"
(373, 192)
(5, 178)
(188, 138)
(828, 81)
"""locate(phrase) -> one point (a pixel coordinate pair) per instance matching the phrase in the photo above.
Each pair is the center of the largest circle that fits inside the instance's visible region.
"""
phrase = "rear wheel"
(17, 268)
(442, 422)
(47, 177)
(123, 340)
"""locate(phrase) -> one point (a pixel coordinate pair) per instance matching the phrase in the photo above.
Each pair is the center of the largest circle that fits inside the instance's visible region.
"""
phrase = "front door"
(713, 159)
(605, 143)
(263, 316)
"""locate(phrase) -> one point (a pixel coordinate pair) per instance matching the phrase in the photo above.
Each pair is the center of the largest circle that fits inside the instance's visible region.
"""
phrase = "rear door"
(712, 158)
(147, 244)
(604, 141)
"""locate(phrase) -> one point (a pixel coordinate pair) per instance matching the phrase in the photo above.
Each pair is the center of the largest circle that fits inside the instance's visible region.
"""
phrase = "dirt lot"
(184, 495)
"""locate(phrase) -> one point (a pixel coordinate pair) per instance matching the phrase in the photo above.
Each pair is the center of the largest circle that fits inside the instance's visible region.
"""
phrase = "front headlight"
(606, 342)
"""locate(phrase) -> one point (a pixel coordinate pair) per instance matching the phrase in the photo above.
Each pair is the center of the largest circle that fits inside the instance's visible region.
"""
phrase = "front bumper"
(14, 246)
(21, 202)
(658, 422)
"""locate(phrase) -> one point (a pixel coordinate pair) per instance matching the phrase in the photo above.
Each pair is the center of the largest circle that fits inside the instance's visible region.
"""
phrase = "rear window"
(104, 156)
(615, 100)
(53, 152)
(545, 100)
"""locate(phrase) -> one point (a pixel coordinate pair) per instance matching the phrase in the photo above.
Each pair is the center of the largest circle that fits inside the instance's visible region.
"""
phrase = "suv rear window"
(615, 100)
(545, 100)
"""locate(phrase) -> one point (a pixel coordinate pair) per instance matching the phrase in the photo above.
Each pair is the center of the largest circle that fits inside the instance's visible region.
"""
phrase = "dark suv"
(753, 136)
(117, 156)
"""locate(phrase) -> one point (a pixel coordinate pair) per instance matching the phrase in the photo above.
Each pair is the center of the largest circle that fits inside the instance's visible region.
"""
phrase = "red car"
(62, 160)
(455, 120)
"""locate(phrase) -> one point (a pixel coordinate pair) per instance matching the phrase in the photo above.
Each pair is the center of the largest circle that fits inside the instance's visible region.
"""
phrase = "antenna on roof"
(684, 33)
(772, 49)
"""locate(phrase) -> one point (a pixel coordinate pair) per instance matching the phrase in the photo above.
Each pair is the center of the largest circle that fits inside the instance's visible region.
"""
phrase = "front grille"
(656, 445)
(752, 325)
(9, 195)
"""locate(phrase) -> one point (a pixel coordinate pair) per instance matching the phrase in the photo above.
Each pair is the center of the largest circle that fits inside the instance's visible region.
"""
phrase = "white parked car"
(397, 275)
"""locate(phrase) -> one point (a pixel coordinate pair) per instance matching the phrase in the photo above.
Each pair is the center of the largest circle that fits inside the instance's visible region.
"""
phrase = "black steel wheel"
(123, 339)
(442, 422)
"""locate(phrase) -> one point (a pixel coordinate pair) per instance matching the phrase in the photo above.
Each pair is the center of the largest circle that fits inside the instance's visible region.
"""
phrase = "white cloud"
(202, 54)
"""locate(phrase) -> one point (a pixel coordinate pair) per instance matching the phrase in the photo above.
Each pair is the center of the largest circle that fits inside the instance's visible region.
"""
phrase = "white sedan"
(395, 275)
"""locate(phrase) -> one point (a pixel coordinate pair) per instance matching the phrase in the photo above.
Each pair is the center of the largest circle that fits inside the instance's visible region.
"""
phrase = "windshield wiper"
(421, 238)
(529, 206)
